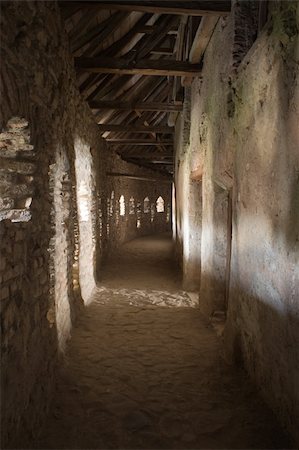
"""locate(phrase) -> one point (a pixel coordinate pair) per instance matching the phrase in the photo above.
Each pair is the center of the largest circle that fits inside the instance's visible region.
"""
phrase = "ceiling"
(133, 59)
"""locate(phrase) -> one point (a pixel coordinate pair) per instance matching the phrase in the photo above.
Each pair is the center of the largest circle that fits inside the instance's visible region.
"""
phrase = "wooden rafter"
(141, 142)
(135, 177)
(161, 67)
(151, 155)
(133, 81)
(99, 32)
(136, 106)
(118, 46)
(200, 42)
(115, 48)
(112, 83)
(149, 42)
(135, 128)
(140, 91)
(192, 8)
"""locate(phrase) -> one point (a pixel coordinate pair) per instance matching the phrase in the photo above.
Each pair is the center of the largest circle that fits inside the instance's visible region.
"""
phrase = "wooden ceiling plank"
(140, 178)
(117, 46)
(136, 92)
(96, 44)
(202, 38)
(135, 128)
(99, 32)
(163, 26)
(192, 8)
(113, 49)
(150, 155)
(200, 42)
(135, 106)
(141, 142)
(161, 67)
(154, 135)
(163, 51)
(115, 82)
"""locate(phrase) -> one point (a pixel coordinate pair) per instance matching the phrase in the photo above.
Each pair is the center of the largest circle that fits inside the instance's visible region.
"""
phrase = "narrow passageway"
(145, 263)
(144, 370)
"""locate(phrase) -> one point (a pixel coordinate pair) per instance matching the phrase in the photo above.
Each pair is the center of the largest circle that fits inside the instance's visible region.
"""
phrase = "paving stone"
(141, 386)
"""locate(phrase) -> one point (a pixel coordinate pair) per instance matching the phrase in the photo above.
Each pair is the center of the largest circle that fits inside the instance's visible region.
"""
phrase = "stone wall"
(244, 122)
(113, 228)
(264, 290)
(188, 193)
(53, 228)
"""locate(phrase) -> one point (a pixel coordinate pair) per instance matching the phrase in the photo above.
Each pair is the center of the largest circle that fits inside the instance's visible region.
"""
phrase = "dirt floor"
(144, 370)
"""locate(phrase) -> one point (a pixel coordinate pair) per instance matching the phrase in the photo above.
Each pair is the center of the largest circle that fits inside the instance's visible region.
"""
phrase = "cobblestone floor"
(144, 370)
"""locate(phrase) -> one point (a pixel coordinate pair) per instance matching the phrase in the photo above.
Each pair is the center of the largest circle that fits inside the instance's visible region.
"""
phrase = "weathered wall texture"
(51, 152)
(263, 309)
(247, 148)
(188, 192)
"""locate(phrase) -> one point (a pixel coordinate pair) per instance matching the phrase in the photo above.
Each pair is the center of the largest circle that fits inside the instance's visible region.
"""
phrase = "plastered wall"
(263, 304)
(244, 139)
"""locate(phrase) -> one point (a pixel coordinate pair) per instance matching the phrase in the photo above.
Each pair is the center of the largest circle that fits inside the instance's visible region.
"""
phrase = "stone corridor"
(149, 224)
(145, 370)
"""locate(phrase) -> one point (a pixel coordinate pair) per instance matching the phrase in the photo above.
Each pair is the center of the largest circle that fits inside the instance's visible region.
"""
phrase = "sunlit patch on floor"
(143, 297)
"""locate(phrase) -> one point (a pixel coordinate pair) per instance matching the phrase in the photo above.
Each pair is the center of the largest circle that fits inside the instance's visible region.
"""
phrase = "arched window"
(122, 206)
(146, 205)
(131, 205)
(160, 205)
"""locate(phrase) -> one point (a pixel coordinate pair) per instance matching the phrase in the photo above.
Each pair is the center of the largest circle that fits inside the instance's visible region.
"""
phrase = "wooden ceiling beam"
(158, 161)
(136, 106)
(140, 178)
(162, 51)
(192, 8)
(111, 84)
(161, 67)
(202, 38)
(135, 128)
(116, 47)
(150, 42)
(150, 155)
(200, 43)
(146, 29)
(126, 40)
(99, 32)
(136, 93)
(141, 142)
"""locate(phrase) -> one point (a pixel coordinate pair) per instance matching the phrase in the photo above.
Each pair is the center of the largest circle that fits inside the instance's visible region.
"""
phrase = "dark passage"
(141, 375)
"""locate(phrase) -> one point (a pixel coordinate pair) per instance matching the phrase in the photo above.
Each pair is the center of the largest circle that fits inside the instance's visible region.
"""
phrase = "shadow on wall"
(262, 336)
(215, 248)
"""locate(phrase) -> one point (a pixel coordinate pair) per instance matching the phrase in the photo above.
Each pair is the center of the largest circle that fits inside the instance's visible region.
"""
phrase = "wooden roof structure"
(133, 59)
